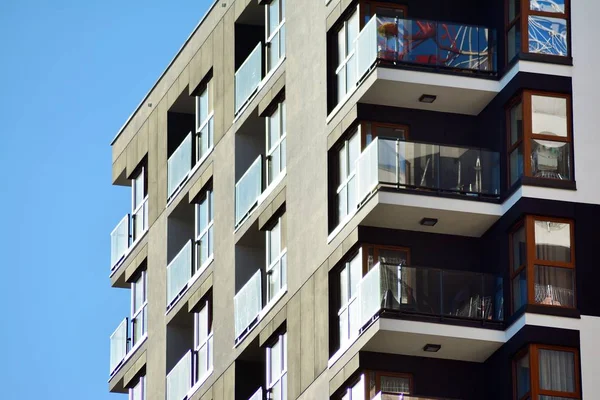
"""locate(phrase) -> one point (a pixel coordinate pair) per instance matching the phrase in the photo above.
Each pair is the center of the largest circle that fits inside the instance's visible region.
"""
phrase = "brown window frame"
(379, 374)
(373, 4)
(374, 134)
(525, 98)
(522, 18)
(376, 248)
(531, 260)
(534, 372)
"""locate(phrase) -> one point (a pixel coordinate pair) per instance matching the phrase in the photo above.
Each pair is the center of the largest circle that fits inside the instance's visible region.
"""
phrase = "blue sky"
(72, 72)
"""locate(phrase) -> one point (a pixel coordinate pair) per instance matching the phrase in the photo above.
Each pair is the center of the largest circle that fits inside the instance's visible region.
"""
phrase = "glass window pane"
(353, 152)
(352, 31)
(514, 8)
(282, 41)
(519, 290)
(276, 360)
(522, 376)
(274, 242)
(550, 160)
(557, 370)
(138, 290)
(352, 196)
(274, 282)
(273, 16)
(138, 190)
(344, 286)
(516, 123)
(549, 115)
(547, 35)
(274, 124)
(342, 204)
(552, 241)
(273, 166)
(202, 107)
(202, 328)
(554, 286)
(341, 41)
(392, 132)
(344, 327)
(358, 390)
(351, 74)
(516, 164)
(395, 384)
(519, 246)
(557, 6)
(355, 274)
(514, 40)
(273, 52)
(341, 83)
(202, 215)
(282, 155)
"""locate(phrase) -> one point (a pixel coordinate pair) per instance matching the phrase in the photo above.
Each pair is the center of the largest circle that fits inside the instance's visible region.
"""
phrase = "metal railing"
(248, 77)
(179, 272)
(247, 304)
(405, 164)
(119, 345)
(179, 165)
(119, 241)
(179, 380)
(247, 190)
(430, 291)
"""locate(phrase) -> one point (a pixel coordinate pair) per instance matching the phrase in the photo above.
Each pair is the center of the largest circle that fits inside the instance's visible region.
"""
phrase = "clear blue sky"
(71, 73)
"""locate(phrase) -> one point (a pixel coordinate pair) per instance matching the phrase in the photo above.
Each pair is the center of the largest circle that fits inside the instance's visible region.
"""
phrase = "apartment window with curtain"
(138, 391)
(204, 120)
(539, 137)
(543, 263)
(276, 258)
(276, 148)
(348, 313)
(203, 341)
(537, 27)
(275, 41)
(388, 383)
(139, 305)
(139, 201)
(277, 368)
(546, 373)
(346, 196)
(346, 62)
(204, 230)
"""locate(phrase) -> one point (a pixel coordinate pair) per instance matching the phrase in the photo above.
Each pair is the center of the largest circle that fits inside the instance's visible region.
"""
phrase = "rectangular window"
(546, 373)
(539, 136)
(346, 63)
(138, 392)
(346, 195)
(204, 230)
(389, 383)
(139, 305)
(276, 135)
(139, 203)
(277, 369)
(355, 391)
(381, 9)
(543, 263)
(204, 121)
(276, 258)
(275, 41)
(203, 341)
(348, 314)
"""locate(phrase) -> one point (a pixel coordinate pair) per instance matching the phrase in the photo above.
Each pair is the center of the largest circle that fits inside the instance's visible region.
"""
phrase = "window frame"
(140, 310)
(281, 259)
(525, 98)
(349, 51)
(272, 381)
(534, 372)
(531, 259)
(280, 145)
(350, 174)
(207, 342)
(344, 307)
(374, 4)
(369, 129)
(380, 373)
(269, 36)
(208, 197)
(207, 122)
(376, 249)
(141, 381)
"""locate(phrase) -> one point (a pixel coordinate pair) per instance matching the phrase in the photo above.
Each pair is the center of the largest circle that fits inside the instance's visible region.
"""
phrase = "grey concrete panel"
(132, 269)
(218, 86)
(119, 170)
(132, 157)
(307, 332)
(161, 199)
(333, 16)
(199, 294)
(195, 67)
(153, 167)
(134, 371)
(205, 176)
(294, 350)
(229, 383)
(207, 56)
(321, 326)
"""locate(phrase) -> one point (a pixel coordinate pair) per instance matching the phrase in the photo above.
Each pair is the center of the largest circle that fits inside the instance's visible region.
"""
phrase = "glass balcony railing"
(119, 345)
(247, 190)
(258, 395)
(139, 220)
(426, 43)
(119, 241)
(179, 272)
(179, 165)
(398, 396)
(247, 304)
(248, 77)
(179, 380)
(403, 164)
(430, 291)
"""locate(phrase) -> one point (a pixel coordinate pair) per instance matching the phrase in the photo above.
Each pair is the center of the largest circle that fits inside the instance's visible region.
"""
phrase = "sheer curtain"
(393, 384)
(557, 371)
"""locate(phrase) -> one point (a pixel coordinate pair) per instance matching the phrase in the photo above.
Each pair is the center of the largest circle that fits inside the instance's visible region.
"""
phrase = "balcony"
(179, 273)
(248, 190)
(247, 305)
(125, 339)
(248, 78)
(126, 234)
(179, 380)
(179, 165)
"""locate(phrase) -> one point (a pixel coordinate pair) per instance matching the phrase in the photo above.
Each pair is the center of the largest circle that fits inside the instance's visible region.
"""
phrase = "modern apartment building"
(365, 200)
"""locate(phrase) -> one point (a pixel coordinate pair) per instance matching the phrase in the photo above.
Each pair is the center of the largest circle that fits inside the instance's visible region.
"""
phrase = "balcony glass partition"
(258, 395)
(179, 272)
(179, 380)
(403, 164)
(247, 304)
(427, 43)
(247, 190)
(118, 345)
(430, 291)
(179, 165)
(248, 77)
(119, 241)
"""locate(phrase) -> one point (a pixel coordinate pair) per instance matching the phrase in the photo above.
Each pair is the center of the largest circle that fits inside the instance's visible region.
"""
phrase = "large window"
(546, 373)
(203, 341)
(139, 203)
(370, 383)
(543, 263)
(138, 391)
(204, 230)
(276, 134)
(275, 43)
(348, 314)
(381, 9)
(539, 136)
(346, 63)
(277, 368)
(346, 196)
(139, 304)
(276, 258)
(537, 27)
(204, 120)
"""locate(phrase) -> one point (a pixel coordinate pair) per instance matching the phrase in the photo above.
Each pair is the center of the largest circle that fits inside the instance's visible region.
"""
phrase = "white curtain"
(557, 370)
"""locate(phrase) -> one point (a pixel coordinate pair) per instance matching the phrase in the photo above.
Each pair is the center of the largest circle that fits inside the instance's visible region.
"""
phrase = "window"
(139, 201)
(546, 23)
(204, 230)
(348, 314)
(546, 373)
(204, 121)
(276, 258)
(377, 129)
(275, 42)
(389, 383)
(356, 391)
(346, 195)
(381, 9)
(346, 64)
(543, 263)
(139, 303)
(277, 369)
(203, 341)
(539, 136)
(276, 135)
(138, 392)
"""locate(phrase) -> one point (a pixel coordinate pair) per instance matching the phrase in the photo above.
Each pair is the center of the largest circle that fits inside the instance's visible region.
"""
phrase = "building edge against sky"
(363, 200)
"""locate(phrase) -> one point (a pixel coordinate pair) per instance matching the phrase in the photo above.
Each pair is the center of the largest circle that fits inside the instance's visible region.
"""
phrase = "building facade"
(364, 200)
